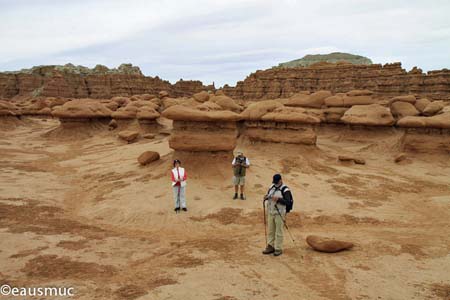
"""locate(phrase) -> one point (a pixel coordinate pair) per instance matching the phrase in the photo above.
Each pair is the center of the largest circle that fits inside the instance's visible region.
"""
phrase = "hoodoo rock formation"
(270, 121)
(202, 131)
(387, 80)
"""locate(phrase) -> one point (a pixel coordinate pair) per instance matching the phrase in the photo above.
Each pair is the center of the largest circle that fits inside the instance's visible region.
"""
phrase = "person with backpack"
(240, 164)
(179, 186)
(279, 203)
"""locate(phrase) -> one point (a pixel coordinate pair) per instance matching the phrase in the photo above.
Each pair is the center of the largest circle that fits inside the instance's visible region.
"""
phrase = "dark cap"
(276, 178)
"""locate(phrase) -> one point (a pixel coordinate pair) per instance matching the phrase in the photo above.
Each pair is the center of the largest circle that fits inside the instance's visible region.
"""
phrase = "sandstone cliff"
(80, 82)
(387, 80)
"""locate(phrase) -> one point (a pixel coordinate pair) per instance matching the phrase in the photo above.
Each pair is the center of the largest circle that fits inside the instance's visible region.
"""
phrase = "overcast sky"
(221, 41)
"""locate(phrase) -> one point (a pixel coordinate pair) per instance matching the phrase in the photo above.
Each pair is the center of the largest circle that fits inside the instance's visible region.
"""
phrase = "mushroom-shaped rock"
(315, 100)
(112, 105)
(334, 114)
(148, 157)
(124, 113)
(209, 106)
(402, 109)
(334, 101)
(226, 103)
(202, 96)
(371, 115)
(81, 109)
(406, 98)
(202, 131)
(328, 245)
(168, 102)
(433, 108)
(141, 103)
(183, 113)
(290, 115)
(360, 93)
(256, 110)
(421, 104)
(441, 121)
(128, 135)
(121, 101)
(147, 113)
(357, 100)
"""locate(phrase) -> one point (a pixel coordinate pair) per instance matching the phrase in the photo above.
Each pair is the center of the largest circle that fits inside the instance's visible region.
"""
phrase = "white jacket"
(182, 176)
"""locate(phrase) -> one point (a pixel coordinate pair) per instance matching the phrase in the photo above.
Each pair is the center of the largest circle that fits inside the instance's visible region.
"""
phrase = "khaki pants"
(275, 235)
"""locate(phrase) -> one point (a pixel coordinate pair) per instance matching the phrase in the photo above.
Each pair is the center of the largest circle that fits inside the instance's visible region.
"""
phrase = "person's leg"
(278, 233)
(242, 183)
(236, 186)
(175, 197)
(183, 197)
(270, 235)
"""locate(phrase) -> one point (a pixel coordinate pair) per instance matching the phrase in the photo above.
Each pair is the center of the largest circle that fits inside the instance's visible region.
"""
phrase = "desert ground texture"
(79, 211)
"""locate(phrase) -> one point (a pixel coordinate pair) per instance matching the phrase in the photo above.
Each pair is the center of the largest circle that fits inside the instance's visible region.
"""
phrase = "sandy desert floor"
(83, 213)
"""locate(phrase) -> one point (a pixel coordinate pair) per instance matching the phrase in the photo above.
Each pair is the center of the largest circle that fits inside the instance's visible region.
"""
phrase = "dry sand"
(81, 212)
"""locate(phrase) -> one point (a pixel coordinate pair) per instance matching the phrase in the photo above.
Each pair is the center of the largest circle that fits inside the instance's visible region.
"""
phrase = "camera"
(240, 160)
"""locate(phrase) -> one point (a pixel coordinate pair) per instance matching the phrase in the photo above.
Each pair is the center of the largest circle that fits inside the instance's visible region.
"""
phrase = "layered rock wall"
(388, 80)
(51, 81)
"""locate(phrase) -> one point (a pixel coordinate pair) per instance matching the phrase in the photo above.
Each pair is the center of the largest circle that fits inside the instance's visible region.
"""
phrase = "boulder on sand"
(371, 115)
(327, 245)
(148, 157)
(128, 135)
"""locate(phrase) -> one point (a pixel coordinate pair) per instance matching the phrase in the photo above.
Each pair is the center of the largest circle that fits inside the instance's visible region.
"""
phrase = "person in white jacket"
(179, 186)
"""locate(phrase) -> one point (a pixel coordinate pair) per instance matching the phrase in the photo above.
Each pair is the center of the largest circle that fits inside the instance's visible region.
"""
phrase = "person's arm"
(233, 163)
(173, 177)
(247, 163)
(185, 175)
(287, 197)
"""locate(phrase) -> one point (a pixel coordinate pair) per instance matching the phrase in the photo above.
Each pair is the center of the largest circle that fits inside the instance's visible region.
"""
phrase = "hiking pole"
(285, 224)
(265, 222)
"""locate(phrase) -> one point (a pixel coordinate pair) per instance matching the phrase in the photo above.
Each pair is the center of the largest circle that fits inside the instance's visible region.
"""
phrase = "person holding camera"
(240, 164)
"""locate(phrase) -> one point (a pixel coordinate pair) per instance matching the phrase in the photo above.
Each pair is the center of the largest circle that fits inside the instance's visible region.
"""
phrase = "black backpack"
(289, 204)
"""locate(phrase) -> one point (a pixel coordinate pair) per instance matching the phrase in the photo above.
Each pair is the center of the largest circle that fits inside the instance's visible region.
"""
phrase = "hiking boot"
(177, 209)
(269, 250)
(184, 209)
(235, 196)
(277, 252)
(242, 197)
